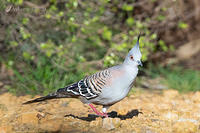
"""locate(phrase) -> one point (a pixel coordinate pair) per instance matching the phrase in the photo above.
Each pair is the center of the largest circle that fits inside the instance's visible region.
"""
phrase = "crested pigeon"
(104, 88)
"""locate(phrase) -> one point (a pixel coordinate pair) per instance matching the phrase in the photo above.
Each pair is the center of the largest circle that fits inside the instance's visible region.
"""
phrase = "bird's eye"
(131, 57)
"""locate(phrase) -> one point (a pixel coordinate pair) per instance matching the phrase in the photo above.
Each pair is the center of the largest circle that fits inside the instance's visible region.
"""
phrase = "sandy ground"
(142, 112)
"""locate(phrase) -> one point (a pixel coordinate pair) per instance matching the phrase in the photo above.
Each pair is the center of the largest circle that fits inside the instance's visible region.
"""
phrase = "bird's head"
(134, 56)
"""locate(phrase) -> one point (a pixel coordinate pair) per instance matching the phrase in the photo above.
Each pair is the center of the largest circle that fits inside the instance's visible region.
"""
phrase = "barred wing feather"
(92, 86)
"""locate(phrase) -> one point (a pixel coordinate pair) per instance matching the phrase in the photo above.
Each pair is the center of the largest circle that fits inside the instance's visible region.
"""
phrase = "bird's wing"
(92, 86)
(89, 87)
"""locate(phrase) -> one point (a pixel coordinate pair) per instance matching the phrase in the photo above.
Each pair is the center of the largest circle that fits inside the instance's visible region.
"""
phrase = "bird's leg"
(104, 109)
(96, 111)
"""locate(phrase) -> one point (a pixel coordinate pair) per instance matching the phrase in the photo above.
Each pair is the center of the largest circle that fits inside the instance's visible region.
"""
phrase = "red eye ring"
(131, 57)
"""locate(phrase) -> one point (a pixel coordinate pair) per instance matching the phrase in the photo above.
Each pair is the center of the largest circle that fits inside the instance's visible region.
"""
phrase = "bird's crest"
(135, 51)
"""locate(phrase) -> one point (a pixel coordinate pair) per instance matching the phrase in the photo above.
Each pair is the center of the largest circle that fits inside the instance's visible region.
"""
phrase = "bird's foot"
(97, 112)
(102, 114)
(105, 115)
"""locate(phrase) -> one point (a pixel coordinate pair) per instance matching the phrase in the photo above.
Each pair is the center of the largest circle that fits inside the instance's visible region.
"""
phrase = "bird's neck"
(131, 68)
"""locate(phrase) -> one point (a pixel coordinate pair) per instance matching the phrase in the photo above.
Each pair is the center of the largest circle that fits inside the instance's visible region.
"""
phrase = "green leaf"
(25, 35)
(163, 45)
(75, 4)
(153, 36)
(182, 25)
(107, 34)
(130, 21)
(161, 42)
(13, 43)
(139, 24)
(61, 14)
(121, 47)
(161, 17)
(10, 62)
(26, 55)
(171, 48)
(48, 16)
(49, 53)
(127, 7)
(25, 21)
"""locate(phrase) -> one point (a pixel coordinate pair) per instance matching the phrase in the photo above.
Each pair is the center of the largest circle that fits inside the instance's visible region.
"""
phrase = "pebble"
(108, 124)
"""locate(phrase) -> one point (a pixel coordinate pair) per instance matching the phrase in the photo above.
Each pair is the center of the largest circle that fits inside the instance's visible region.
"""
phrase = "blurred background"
(45, 44)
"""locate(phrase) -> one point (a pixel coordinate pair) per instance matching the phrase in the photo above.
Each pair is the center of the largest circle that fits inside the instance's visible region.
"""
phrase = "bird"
(105, 87)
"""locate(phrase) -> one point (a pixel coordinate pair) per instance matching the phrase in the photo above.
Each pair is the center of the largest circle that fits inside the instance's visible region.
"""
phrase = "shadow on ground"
(113, 114)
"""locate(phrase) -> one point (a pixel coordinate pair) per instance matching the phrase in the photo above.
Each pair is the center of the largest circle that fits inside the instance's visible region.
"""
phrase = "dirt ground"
(142, 112)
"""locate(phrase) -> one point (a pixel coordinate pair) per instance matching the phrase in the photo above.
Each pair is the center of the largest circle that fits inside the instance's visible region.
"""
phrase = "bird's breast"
(118, 90)
(117, 86)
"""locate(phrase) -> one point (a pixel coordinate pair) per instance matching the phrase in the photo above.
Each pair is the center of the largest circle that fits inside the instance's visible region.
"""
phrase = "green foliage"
(163, 45)
(51, 49)
(130, 21)
(42, 78)
(107, 34)
(161, 17)
(182, 25)
(127, 7)
(177, 78)
(2, 5)
(110, 60)
(16, 2)
(25, 35)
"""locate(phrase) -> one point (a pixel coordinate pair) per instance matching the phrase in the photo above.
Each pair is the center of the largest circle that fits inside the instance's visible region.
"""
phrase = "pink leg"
(105, 114)
(97, 112)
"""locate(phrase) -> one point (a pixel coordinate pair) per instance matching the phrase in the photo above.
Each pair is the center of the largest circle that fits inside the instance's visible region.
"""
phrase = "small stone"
(108, 124)
(170, 116)
(116, 122)
(153, 83)
(160, 87)
(189, 120)
(40, 115)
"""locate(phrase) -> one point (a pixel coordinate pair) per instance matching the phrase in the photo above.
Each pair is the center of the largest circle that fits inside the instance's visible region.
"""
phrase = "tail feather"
(48, 97)
(70, 91)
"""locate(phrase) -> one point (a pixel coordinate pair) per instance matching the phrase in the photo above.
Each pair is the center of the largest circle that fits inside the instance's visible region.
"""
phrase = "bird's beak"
(139, 63)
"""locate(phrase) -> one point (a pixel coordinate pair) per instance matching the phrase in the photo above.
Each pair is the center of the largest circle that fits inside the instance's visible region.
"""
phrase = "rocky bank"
(142, 112)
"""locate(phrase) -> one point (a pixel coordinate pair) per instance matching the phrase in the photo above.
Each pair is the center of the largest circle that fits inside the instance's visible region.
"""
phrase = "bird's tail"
(48, 97)
(70, 91)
